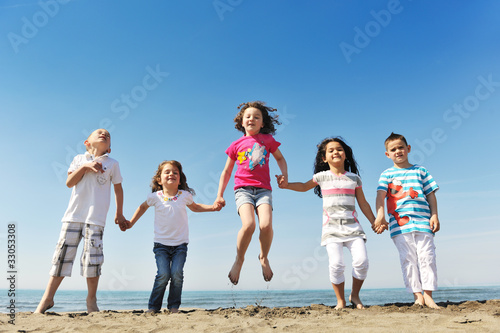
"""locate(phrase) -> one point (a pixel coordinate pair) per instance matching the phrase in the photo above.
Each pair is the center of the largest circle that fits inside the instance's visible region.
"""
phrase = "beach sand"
(476, 316)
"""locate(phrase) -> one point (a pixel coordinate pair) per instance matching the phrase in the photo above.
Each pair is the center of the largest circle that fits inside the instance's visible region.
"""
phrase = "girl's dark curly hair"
(350, 163)
(155, 183)
(268, 120)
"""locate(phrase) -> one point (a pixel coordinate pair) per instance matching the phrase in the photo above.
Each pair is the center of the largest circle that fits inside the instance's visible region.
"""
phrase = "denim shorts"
(252, 195)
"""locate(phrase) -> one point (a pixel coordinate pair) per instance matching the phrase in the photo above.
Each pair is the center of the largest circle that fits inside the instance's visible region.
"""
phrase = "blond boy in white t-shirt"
(90, 175)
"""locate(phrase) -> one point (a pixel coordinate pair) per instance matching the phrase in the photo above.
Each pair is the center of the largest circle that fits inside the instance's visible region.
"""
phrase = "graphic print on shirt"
(395, 192)
(256, 156)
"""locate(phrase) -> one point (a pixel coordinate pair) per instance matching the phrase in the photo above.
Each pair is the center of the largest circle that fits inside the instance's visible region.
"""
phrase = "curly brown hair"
(268, 120)
(155, 183)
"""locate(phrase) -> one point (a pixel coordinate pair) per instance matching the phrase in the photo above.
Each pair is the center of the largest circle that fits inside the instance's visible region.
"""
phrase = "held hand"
(220, 202)
(434, 223)
(216, 207)
(121, 221)
(282, 181)
(380, 225)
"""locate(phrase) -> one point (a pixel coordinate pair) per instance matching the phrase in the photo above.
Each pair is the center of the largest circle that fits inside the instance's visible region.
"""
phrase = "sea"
(74, 301)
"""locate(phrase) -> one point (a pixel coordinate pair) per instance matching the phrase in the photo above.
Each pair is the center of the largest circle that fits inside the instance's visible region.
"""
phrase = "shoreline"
(470, 316)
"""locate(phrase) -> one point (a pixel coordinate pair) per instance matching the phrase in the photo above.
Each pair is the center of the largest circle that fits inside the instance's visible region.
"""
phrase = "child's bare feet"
(174, 310)
(234, 273)
(429, 302)
(92, 305)
(44, 306)
(340, 305)
(419, 299)
(356, 301)
(266, 269)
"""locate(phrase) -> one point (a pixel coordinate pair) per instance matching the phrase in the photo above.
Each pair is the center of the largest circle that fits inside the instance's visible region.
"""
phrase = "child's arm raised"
(200, 208)
(119, 218)
(434, 220)
(283, 178)
(224, 179)
(138, 213)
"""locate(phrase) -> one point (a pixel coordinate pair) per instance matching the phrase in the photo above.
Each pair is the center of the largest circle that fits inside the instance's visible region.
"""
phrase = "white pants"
(418, 260)
(336, 260)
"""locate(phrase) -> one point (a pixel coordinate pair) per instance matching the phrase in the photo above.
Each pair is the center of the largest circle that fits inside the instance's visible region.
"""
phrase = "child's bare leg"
(92, 294)
(354, 297)
(429, 301)
(247, 215)
(47, 300)
(419, 299)
(339, 292)
(264, 212)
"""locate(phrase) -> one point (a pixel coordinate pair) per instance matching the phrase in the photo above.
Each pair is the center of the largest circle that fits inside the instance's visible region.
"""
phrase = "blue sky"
(165, 78)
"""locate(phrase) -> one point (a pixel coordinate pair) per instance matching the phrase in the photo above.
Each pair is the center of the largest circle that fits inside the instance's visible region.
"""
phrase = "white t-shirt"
(171, 222)
(340, 220)
(90, 197)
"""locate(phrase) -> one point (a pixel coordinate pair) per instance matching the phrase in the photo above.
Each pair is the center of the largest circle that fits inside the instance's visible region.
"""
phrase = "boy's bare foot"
(429, 302)
(266, 269)
(92, 305)
(174, 310)
(44, 306)
(356, 301)
(419, 299)
(234, 273)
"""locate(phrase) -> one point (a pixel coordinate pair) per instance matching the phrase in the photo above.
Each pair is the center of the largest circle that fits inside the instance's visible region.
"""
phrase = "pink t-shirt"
(251, 154)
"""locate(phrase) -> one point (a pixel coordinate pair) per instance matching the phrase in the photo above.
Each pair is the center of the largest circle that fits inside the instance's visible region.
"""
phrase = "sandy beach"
(469, 316)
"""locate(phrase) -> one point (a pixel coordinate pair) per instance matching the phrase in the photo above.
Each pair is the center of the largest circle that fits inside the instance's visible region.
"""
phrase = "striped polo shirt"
(340, 223)
(409, 188)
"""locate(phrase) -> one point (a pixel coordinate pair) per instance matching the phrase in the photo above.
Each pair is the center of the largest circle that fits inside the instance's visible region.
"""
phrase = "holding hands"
(122, 222)
(380, 225)
(282, 181)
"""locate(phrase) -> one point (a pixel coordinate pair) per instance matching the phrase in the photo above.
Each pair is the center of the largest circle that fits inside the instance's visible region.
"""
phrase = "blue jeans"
(170, 263)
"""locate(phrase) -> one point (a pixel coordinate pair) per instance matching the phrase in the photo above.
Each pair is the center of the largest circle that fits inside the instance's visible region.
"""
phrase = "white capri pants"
(335, 251)
(417, 255)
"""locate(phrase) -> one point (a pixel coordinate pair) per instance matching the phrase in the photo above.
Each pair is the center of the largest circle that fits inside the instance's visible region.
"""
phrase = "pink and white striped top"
(340, 223)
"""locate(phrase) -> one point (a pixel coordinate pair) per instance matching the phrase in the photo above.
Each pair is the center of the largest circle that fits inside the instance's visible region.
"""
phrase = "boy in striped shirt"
(413, 218)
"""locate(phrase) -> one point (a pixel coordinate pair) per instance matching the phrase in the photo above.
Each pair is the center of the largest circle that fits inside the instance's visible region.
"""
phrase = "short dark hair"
(393, 137)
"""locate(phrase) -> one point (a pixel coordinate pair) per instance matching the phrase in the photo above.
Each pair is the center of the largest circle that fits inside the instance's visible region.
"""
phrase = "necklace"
(165, 198)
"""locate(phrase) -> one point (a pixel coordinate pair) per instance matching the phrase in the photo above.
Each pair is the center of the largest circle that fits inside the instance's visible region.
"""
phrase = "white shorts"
(417, 255)
(336, 259)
